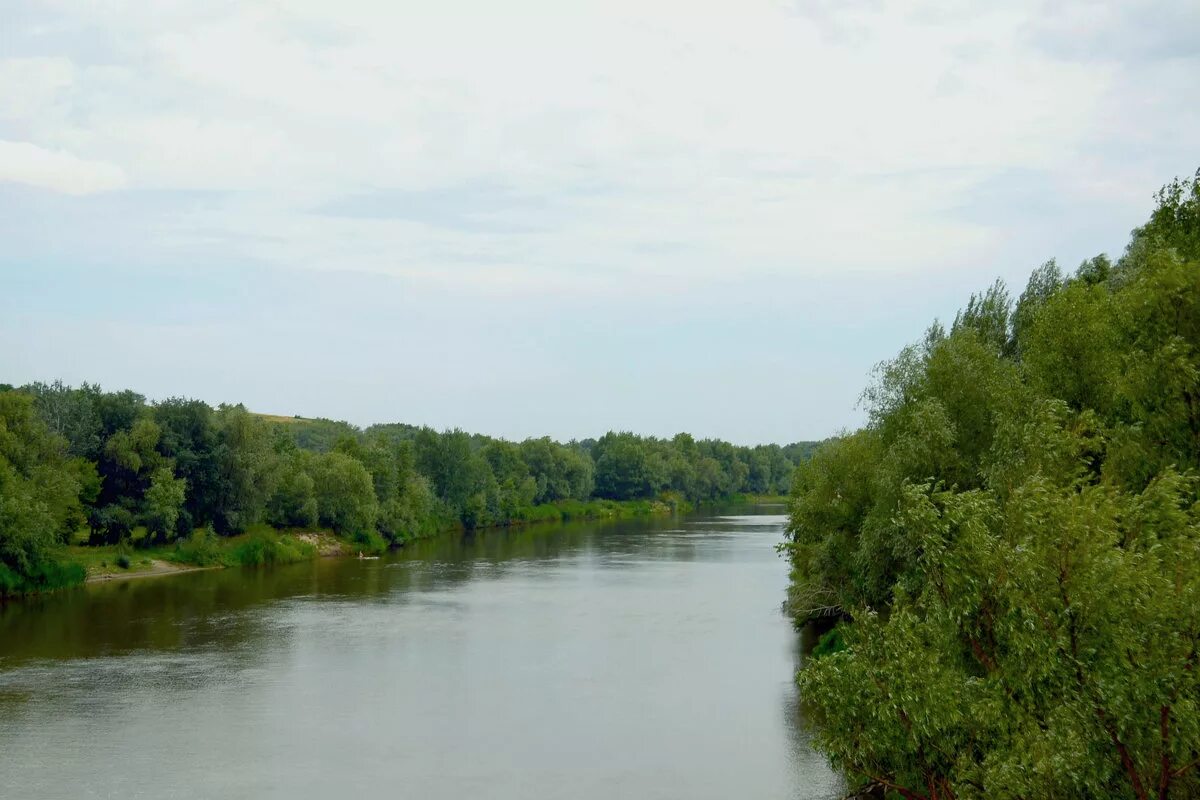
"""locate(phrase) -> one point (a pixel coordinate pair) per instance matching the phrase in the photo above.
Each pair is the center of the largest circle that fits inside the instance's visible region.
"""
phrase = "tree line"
(111, 468)
(1011, 545)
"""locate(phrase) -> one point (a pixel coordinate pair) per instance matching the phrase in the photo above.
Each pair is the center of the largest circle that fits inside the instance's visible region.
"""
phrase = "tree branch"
(907, 794)
(1123, 752)
(1185, 768)
(1164, 772)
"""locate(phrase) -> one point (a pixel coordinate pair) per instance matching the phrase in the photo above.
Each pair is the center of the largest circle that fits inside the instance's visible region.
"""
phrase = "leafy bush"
(43, 576)
(267, 549)
(201, 549)
(832, 641)
(369, 542)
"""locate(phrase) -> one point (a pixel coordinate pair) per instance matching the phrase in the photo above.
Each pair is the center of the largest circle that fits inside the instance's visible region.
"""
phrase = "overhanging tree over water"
(1013, 541)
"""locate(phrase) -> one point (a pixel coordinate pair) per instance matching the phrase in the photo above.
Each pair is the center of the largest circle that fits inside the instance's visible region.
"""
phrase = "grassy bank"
(567, 510)
(263, 545)
(45, 576)
(258, 546)
(741, 499)
(761, 499)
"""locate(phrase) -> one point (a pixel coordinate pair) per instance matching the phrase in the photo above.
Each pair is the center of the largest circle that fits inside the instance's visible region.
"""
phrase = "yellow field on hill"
(279, 418)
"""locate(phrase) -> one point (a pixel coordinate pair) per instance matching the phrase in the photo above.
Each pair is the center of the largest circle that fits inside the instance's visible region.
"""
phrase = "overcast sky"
(523, 218)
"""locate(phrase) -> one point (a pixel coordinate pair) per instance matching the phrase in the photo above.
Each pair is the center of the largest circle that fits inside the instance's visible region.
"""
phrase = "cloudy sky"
(557, 217)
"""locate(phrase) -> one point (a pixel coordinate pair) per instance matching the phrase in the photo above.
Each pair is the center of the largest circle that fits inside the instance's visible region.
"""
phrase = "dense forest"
(1011, 545)
(108, 468)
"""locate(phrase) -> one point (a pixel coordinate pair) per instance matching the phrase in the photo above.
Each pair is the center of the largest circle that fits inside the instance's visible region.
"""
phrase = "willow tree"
(1012, 543)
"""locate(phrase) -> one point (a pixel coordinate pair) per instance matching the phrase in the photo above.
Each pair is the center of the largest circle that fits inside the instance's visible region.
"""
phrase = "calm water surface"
(643, 659)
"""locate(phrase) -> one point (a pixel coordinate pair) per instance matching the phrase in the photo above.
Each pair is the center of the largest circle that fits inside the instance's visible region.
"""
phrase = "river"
(635, 659)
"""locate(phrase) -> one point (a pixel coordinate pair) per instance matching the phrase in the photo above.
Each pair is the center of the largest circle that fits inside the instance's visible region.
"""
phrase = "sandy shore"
(157, 567)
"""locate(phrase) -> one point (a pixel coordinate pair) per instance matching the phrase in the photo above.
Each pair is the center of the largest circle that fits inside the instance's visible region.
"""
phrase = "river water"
(640, 659)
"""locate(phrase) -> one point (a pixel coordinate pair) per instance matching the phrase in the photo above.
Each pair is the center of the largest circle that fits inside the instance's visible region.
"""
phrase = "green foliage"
(1013, 542)
(622, 469)
(293, 503)
(560, 472)
(201, 549)
(832, 641)
(317, 435)
(249, 468)
(264, 549)
(1175, 223)
(44, 576)
(71, 414)
(39, 499)
(149, 474)
(410, 514)
(344, 493)
(369, 542)
(163, 502)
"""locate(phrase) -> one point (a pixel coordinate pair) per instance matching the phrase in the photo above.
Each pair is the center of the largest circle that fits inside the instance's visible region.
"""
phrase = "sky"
(530, 218)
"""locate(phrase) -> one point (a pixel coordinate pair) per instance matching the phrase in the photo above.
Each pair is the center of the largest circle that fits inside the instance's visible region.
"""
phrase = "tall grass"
(267, 548)
(201, 549)
(44, 576)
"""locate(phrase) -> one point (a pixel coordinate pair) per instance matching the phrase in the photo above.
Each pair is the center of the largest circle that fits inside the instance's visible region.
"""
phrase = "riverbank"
(203, 550)
(262, 544)
(150, 568)
(756, 500)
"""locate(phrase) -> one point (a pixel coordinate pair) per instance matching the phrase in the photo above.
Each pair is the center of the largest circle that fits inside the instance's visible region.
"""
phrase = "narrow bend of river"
(644, 659)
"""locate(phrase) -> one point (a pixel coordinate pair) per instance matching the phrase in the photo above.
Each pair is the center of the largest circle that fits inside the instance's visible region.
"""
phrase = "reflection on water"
(641, 659)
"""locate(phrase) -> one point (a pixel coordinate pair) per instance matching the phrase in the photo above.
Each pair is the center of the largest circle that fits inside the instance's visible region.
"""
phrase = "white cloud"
(32, 87)
(668, 139)
(23, 162)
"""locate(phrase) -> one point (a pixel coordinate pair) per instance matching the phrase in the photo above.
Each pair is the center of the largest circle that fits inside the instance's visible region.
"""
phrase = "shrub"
(369, 542)
(832, 641)
(201, 549)
(44, 576)
(266, 548)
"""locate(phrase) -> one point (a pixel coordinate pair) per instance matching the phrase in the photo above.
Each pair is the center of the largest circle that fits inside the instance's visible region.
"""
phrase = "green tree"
(293, 503)
(443, 458)
(1012, 543)
(1048, 652)
(190, 438)
(163, 503)
(129, 459)
(249, 467)
(345, 494)
(39, 498)
(71, 414)
(621, 470)
(410, 513)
